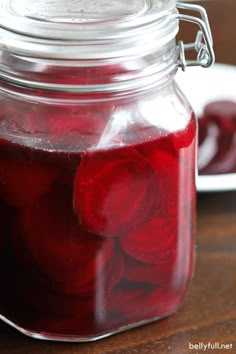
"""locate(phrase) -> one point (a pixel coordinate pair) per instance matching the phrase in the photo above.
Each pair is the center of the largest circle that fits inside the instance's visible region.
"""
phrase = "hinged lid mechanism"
(203, 44)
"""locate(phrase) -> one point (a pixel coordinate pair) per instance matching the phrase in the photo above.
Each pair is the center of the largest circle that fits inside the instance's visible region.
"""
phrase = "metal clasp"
(203, 44)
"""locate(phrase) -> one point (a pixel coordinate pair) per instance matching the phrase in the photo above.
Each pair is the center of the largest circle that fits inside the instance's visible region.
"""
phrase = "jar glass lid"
(40, 36)
(80, 19)
(44, 36)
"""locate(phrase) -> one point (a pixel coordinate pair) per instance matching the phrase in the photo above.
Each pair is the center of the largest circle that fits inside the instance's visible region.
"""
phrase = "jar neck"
(70, 78)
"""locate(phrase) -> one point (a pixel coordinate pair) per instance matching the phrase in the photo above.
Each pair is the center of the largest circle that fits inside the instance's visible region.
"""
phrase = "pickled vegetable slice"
(153, 242)
(113, 191)
(56, 242)
(22, 182)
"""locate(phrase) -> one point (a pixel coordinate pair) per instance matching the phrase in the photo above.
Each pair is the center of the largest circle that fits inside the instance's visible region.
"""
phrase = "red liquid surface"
(217, 138)
(98, 240)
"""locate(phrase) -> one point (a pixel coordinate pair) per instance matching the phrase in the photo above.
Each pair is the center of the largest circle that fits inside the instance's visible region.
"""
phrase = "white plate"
(202, 86)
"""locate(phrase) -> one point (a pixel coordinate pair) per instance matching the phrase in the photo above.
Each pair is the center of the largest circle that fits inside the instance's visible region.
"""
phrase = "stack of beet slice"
(114, 192)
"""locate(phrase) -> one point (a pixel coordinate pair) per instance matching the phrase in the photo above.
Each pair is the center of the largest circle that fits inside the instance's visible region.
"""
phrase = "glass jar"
(97, 171)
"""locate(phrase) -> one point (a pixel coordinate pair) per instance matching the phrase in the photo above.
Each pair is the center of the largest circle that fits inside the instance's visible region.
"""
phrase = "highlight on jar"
(98, 164)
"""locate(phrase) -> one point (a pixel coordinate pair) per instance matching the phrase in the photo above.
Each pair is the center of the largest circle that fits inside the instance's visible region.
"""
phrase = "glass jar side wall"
(98, 210)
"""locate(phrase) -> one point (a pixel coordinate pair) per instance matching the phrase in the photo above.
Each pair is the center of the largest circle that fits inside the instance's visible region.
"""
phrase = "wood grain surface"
(209, 311)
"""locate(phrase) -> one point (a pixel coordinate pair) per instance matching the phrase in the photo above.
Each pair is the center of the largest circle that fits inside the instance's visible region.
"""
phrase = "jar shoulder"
(94, 123)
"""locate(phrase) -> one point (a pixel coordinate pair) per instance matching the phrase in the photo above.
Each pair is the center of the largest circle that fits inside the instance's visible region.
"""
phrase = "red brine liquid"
(96, 241)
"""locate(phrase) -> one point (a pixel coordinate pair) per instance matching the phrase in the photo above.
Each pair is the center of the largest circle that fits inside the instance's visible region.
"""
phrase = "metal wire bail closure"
(203, 44)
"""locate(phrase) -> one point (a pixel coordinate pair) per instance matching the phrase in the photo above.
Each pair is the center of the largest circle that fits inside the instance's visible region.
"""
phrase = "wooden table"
(209, 312)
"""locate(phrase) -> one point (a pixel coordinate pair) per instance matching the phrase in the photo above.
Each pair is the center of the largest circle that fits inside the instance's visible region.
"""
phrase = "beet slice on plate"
(221, 108)
(21, 182)
(221, 138)
(202, 132)
(224, 159)
(56, 243)
(113, 191)
(154, 242)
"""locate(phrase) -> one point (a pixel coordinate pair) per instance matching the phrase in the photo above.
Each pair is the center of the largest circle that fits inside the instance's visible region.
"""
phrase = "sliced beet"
(5, 224)
(161, 302)
(166, 168)
(165, 299)
(31, 293)
(56, 243)
(221, 108)
(126, 304)
(67, 165)
(93, 279)
(226, 124)
(155, 274)
(222, 114)
(58, 327)
(48, 310)
(224, 160)
(202, 131)
(220, 118)
(113, 191)
(113, 273)
(183, 138)
(156, 140)
(220, 131)
(154, 242)
(88, 326)
(173, 168)
(21, 182)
